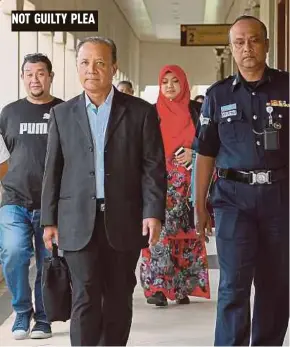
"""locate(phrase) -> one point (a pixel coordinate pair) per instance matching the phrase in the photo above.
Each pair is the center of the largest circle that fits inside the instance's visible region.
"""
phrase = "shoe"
(21, 326)
(41, 330)
(183, 301)
(158, 299)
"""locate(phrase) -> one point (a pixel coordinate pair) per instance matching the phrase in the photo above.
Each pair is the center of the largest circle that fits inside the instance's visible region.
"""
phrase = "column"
(267, 16)
(27, 45)
(116, 78)
(9, 56)
(219, 63)
(44, 46)
(70, 79)
(78, 86)
(227, 57)
(45, 43)
(58, 65)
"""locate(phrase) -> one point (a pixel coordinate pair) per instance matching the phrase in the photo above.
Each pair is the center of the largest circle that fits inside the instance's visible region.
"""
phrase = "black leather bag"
(56, 287)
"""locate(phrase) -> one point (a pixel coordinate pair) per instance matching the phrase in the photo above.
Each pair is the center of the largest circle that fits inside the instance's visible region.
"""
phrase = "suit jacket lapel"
(117, 113)
(82, 117)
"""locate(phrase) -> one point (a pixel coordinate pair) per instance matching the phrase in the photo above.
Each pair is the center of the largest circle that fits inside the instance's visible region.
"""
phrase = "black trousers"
(252, 238)
(103, 281)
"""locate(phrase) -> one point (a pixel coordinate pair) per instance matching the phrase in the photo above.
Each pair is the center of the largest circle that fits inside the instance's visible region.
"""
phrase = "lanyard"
(269, 109)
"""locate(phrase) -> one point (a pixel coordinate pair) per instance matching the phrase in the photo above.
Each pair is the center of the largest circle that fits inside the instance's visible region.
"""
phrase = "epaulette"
(218, 83)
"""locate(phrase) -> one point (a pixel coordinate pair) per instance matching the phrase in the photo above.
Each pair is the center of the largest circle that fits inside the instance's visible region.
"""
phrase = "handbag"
(56, 287)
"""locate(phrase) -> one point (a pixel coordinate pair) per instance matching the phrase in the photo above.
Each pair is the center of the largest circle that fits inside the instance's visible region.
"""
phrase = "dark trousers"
(103, 282)
(252, 236)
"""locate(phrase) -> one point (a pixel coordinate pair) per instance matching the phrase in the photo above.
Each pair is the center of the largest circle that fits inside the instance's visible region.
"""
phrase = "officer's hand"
(185, 157)
(50, 234)
(203, 222)
(153, 227)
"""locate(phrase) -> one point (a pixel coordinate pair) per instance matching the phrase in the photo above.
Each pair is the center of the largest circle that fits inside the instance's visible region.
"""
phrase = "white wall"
(198, 62)
(9, 55)
(58, 60)
(112, 24)
(267, 16)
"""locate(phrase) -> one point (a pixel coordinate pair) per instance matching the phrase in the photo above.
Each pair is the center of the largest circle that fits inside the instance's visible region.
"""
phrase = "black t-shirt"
(24, 129)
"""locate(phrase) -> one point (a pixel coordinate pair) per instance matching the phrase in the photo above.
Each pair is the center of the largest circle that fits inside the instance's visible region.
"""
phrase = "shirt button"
(229, 120)
(254, 93)
(93, 197)
(91, 149)
(92, 173)
(255, 117)
(258, 143)
(280, 116)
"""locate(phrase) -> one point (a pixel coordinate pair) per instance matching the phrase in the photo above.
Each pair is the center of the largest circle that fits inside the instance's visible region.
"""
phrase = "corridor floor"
(189, 325)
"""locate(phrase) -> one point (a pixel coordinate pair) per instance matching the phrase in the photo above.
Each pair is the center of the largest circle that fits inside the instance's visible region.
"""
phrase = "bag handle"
(54, 250)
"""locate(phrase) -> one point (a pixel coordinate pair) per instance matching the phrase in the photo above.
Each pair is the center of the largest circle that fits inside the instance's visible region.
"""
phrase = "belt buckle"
(102, 207)
(221, 173)
(260, 177)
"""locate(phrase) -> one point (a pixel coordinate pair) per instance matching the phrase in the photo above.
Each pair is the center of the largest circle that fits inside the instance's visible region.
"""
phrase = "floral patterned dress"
(177, 265)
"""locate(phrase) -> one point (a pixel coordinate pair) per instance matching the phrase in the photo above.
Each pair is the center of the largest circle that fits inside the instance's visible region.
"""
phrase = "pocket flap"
(231, 116)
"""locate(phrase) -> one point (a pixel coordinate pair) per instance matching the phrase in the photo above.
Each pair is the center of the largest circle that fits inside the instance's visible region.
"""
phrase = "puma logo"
(33, 128)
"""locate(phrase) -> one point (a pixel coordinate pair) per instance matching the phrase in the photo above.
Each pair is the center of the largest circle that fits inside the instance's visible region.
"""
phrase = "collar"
(108, 100)
(239, 79)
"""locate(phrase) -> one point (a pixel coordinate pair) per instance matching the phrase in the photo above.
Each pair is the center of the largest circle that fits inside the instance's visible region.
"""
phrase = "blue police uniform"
(251, 204)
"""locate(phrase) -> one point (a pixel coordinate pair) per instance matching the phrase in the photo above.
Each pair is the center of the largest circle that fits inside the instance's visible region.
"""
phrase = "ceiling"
(153, 20)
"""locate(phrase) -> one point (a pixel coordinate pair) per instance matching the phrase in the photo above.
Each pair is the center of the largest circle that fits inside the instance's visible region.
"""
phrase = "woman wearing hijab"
(176, 267)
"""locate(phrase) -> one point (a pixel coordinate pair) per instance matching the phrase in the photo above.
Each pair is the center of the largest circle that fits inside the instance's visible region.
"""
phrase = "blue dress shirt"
(98, 119)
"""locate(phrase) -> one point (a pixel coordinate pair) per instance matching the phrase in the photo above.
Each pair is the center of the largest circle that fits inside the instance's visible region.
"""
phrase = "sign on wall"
(54, 21)
(204, 34)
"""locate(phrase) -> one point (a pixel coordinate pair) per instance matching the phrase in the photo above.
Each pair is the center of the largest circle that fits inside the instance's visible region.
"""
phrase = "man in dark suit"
(103, 194)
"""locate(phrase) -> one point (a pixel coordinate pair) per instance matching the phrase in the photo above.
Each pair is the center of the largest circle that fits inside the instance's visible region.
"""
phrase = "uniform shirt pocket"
(233, 127)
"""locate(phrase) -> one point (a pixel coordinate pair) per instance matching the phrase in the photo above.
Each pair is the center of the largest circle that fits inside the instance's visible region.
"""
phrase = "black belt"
(101, 205)
(254, 177)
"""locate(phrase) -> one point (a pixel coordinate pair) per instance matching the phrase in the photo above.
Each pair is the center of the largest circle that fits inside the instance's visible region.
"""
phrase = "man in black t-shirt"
(23, 125)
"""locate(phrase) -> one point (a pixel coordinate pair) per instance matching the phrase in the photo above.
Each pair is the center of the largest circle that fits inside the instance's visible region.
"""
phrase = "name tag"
(229, 110)
(229, 113)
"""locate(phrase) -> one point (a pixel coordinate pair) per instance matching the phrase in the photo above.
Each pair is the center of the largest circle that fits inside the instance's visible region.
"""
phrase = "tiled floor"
(190, 325)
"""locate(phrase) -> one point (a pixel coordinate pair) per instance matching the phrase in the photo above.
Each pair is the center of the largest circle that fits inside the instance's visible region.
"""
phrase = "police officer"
(244, 134)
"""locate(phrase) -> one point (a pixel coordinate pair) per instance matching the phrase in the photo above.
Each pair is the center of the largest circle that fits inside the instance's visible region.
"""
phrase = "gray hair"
(96, 40)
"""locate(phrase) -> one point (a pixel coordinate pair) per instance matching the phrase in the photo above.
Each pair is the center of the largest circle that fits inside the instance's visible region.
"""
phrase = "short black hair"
(37, 58)
(99, 39)
(199, 97)
(246, 17)
(128, 83)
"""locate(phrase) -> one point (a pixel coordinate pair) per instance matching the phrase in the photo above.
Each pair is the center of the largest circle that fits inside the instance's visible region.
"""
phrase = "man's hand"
(153, 227)
(50, 234)
(203, 222)
(185, 157)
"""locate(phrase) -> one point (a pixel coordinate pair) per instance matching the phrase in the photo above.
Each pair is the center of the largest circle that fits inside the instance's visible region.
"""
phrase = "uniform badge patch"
(203, 120)
(229, 110)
